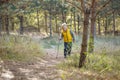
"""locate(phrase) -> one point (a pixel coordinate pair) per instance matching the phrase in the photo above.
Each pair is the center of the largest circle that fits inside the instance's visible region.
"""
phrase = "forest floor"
(44, 68)
(39, 69)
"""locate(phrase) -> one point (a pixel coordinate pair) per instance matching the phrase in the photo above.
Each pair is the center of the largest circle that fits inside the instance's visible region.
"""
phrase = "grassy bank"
(19, 48)
(101, 65)
(105, 66)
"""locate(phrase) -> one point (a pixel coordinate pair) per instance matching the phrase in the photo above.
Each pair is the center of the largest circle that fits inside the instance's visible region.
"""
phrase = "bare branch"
(82, 5)
(87, 3)
(108, 13)
(103, 6)
(71, 2)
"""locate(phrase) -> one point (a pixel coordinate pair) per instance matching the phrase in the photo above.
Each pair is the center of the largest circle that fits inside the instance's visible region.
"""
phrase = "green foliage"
(71, 62)
(101, 63)
(19, 48)
(63, 76)
(98, 62)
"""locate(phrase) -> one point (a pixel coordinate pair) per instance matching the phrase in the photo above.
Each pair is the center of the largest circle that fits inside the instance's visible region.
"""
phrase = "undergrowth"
(102, 64)
(19, 48)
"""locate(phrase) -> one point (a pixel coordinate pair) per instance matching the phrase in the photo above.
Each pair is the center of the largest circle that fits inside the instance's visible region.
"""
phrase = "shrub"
(19, 48)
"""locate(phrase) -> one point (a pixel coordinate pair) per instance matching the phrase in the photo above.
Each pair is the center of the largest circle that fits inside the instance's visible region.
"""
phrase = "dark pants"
(67, 48)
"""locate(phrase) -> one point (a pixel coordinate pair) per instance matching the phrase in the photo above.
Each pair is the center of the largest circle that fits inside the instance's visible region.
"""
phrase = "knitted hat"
(64, 25)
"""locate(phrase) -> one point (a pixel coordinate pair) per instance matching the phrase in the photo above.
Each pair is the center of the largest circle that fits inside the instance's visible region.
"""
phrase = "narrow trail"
(40, 69)
(44, 69)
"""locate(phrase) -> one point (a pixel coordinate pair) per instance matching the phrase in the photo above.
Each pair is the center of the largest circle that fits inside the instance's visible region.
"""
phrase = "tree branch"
(71, 2)
(108, 13)
(103, 6)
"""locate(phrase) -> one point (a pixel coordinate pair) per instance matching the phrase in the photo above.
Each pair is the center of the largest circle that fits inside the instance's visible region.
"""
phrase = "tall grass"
(109, 44)
(101, 64)
(19, 48)
(52, 43)
(104, 61)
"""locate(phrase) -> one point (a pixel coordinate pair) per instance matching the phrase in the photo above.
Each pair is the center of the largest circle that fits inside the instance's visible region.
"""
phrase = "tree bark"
(46, 26)
(0, 24)
(50, 22)
(92, 28)
(106, 24)
(7, 24)
(113, 23)
(3, 22)
(21, 24)
(84, 38)
(56, 23)
(12, 24)
(74, 20)
(103, 24)
(78, 17)
(71, 21)
(63, 17)
(99, 26)
(38, 21)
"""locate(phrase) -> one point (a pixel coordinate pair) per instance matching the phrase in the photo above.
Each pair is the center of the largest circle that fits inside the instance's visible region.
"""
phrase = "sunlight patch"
(25, 70)
(7, 75)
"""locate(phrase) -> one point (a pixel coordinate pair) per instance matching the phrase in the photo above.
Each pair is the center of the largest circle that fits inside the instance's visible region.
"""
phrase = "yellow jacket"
(67, 36)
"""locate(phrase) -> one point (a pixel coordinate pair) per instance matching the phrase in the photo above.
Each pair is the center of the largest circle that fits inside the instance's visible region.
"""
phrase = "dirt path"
(41, 69)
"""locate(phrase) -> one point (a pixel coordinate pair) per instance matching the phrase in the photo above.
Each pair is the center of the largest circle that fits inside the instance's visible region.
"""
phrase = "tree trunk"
(7, 24)
(92, 28)
(84, 38)
(71, 21)
(99, 27)
(12, 24)
(103, 24)
(46, 22)
(50, 23)
(56, 23)
(113, 23)
(3, 23)
(21, 24)
(38, 22)
(63, 17)
(0, 24)
(74, 21)
(78, 17)
(106, 26)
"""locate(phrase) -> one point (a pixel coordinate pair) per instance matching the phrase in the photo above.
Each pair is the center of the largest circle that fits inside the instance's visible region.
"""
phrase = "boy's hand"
(60, 39)
(73, 41)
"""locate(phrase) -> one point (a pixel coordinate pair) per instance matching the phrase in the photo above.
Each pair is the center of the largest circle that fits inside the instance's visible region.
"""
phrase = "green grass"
(19, 48)
(52, 43)
(103, 63)
(108, 43)
(100, 64)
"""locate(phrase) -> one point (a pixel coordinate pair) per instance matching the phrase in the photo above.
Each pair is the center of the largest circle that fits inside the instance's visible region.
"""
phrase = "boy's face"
(64, 28)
